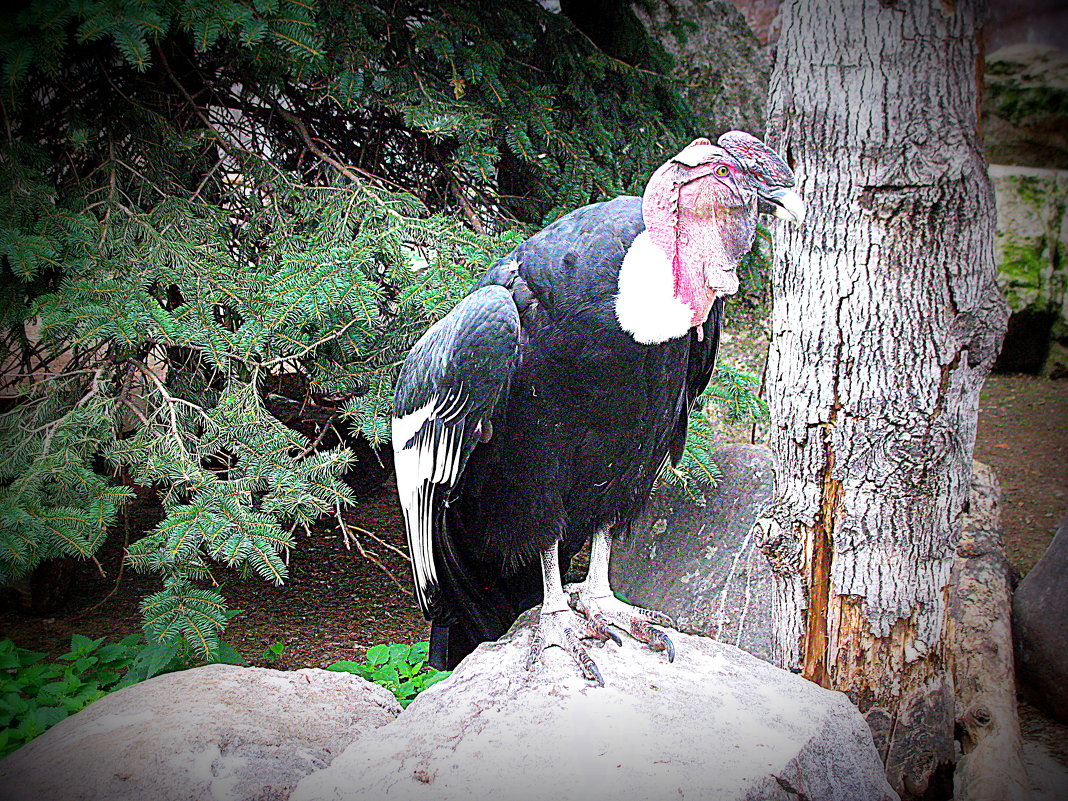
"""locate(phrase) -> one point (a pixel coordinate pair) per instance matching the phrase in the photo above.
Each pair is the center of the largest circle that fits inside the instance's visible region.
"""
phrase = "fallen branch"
(979, 641)
(351, 537)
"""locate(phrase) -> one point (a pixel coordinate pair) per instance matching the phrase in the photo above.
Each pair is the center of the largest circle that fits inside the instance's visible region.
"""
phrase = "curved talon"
(599, 628)
(654, 638)
(595, 673)
(603, 612)
(585, 661)
(611, 632)
(537, 645)
(552, 630)
(659, 641)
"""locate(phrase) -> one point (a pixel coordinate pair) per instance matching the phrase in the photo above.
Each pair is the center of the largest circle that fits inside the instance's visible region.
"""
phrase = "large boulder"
(216, 732)
(1025, 106)
(1040, 629)
(722, 68)
(698, 562)
(1031, 238)
(716, 724)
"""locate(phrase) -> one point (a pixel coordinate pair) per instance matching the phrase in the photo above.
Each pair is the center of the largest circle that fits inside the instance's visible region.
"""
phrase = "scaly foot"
(602, 610)
(563, 628)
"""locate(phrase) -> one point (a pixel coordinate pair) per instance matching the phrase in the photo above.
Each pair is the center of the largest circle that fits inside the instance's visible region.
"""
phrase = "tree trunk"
(886, 320)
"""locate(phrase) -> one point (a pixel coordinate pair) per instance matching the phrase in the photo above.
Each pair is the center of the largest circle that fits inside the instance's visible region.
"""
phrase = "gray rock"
(718, 59)
(1025, 106)
(1031, 235)
(215, 732)
(1040, 629)
(762, 16)
(716, 724)
(700, 564)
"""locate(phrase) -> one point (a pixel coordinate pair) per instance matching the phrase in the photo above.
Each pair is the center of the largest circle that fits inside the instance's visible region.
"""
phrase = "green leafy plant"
(400, 668)
(35, 695)
(274, 650)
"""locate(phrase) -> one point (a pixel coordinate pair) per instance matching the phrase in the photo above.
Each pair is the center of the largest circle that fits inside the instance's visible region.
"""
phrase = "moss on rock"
(1031, 246)
(1025, 106)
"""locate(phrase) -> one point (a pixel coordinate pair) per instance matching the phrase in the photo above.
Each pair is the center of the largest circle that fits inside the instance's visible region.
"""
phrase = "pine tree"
(201, 201)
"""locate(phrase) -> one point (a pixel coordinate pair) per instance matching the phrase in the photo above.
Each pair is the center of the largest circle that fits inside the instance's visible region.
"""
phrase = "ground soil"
(338, 601)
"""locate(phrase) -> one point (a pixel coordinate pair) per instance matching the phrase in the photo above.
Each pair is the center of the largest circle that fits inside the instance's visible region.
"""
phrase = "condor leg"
(560, 626)
(595, 600)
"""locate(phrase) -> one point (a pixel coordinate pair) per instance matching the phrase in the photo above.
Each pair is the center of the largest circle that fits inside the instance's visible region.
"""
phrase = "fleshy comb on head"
(757, 158)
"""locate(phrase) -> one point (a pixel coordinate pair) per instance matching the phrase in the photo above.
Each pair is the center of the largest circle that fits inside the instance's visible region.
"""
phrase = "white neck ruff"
(646, 306)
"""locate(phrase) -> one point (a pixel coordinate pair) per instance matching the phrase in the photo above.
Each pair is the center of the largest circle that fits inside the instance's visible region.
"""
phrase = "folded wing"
(447, 392)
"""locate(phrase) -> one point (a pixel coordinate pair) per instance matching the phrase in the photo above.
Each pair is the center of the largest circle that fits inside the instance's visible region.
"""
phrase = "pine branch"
(265, 193)
(305, 351)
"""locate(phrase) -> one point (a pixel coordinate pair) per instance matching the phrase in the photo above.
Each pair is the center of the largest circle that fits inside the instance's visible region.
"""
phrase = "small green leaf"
(385, 674)
(228, 655)
(398, 652)
(377, 654)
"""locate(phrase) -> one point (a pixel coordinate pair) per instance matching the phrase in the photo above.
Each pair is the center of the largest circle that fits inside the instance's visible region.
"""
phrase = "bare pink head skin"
(700, 209)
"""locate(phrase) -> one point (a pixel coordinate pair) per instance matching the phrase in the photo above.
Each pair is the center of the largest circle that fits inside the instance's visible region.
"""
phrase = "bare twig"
(383, 543)
(189, 98)
(302, 131)
(168, 397)
(318, 439)
(466, 207)
(118, 576)
(351, 537)
(204, 180)
(94, 389)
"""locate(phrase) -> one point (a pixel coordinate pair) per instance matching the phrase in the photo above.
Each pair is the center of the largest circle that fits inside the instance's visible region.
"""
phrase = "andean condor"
(538, 413)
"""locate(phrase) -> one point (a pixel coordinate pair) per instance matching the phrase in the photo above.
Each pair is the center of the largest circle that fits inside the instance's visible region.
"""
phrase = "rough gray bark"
(886, 319)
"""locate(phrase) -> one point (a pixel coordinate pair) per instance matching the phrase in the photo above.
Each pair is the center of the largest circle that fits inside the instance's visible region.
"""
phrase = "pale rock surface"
(700, 563)
(717, 724)
(1030, 240)
(214, 733)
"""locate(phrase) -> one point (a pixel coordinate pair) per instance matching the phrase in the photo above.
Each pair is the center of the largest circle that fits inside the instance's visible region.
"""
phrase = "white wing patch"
(427, 447)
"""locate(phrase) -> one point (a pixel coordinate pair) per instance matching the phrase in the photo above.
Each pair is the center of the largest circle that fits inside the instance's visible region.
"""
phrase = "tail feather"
(482, 601)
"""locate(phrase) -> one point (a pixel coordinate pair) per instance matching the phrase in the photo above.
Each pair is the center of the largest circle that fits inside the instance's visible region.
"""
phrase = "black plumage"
(538, 413)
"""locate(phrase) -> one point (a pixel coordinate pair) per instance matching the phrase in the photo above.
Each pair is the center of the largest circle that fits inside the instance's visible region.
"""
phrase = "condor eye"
(722, 170)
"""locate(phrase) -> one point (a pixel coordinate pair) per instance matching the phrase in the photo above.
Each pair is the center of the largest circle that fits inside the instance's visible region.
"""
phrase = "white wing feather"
(427, 461)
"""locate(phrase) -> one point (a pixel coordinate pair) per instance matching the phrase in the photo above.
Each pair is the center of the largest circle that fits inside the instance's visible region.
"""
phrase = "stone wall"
(1025, 128)
(721, 66)
(1025, 106)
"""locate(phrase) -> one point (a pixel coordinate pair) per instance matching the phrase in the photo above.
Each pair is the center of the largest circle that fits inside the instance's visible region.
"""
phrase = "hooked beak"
(784, 203)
